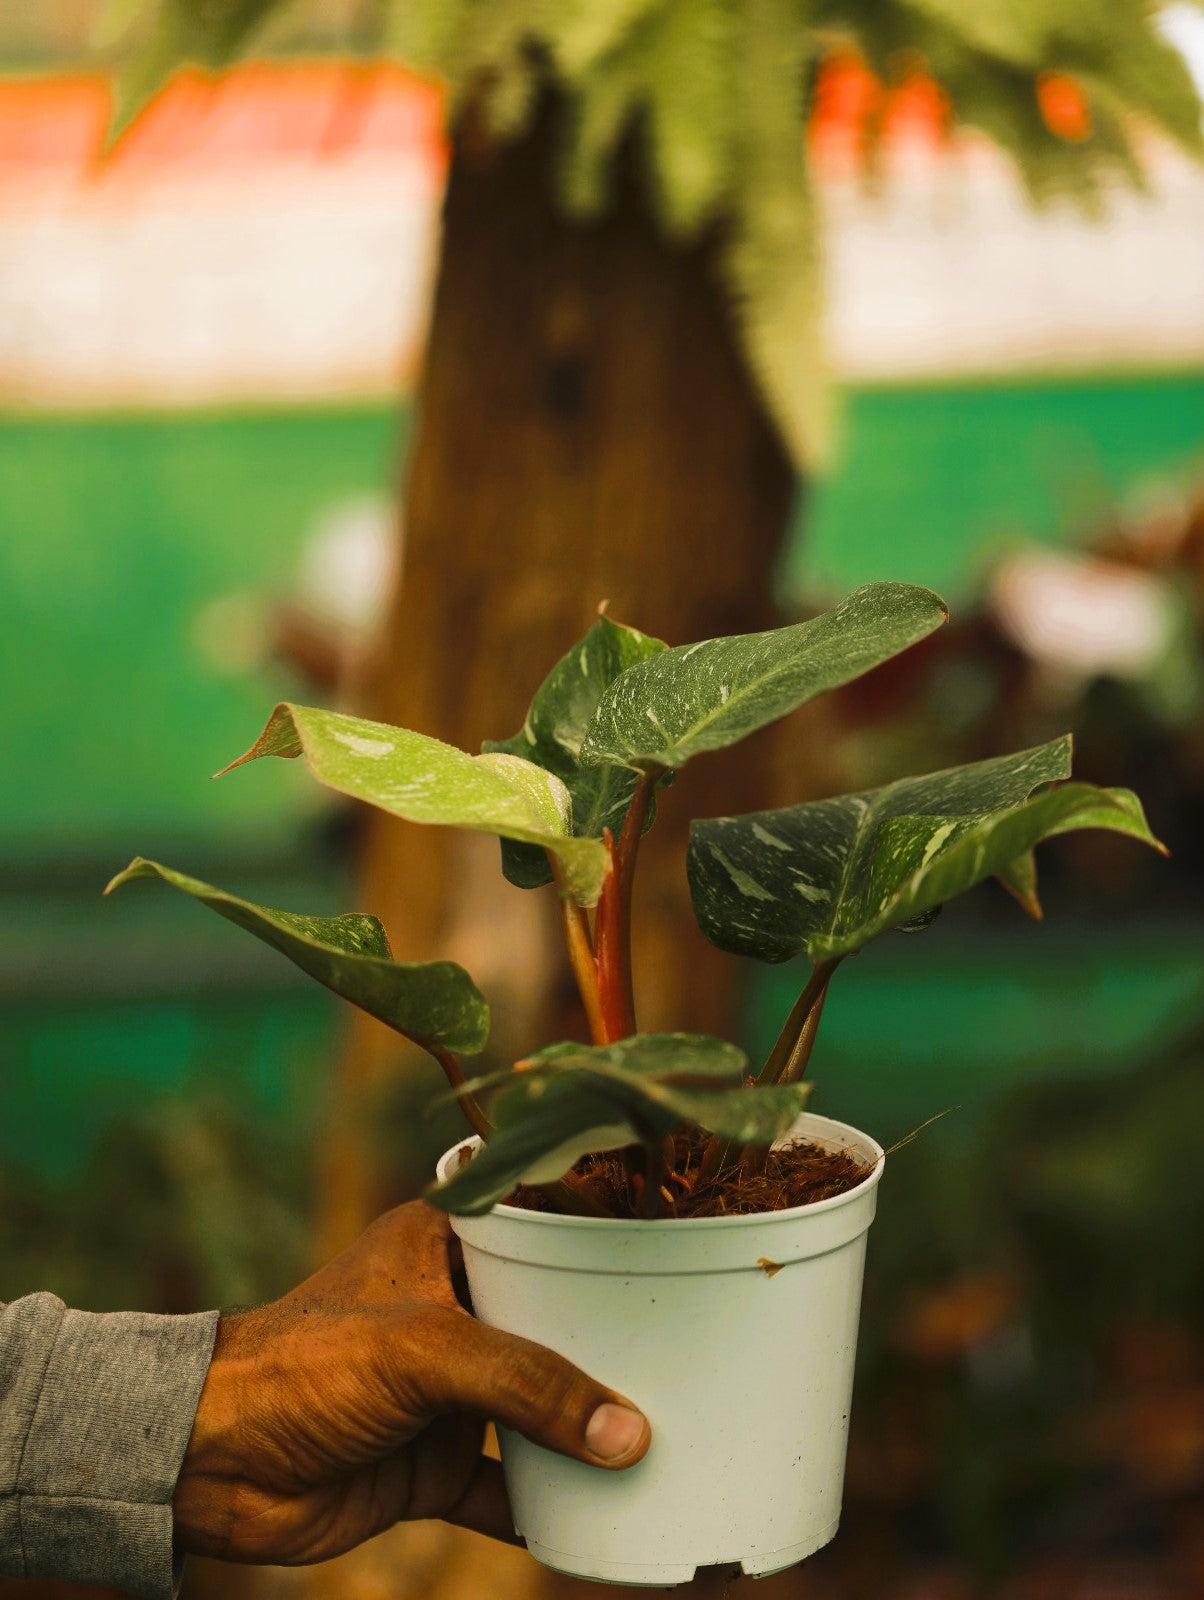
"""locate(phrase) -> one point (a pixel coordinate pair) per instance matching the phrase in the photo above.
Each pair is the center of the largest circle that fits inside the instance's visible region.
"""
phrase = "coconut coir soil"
(795, 1176)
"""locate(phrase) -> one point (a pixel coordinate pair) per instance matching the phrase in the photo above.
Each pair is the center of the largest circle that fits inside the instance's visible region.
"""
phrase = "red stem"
(615, 983)
(452, 1071)
(581, 954)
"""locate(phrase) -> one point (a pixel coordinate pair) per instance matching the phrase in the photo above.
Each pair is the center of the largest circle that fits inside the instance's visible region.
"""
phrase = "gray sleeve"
(95, 1416)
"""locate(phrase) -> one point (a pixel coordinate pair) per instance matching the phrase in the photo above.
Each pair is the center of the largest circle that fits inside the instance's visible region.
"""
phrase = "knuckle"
(536, 1385)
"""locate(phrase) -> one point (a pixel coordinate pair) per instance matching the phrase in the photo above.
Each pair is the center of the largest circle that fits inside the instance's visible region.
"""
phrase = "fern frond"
(772, 260)
(718, 91)
(582, 32)
(207, 33)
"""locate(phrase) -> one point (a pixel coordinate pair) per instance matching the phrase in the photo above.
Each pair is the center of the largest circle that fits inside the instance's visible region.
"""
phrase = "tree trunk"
(587, 431)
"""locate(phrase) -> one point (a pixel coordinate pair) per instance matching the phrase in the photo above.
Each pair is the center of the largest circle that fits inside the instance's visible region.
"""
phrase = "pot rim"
(675, 1225)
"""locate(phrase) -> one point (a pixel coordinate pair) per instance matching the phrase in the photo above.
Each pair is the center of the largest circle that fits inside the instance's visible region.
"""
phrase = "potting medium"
(735, 1335)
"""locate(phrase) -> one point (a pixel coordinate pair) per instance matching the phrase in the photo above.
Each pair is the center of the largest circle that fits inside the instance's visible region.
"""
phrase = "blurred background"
(374, 353)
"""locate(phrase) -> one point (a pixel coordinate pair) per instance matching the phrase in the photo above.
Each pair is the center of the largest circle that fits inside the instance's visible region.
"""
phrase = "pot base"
(669, 1575)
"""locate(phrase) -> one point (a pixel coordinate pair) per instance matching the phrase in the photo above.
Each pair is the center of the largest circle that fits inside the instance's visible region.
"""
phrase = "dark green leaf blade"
(424, 780)
(836, 873)
(570, 1100)
(1019, 878)
(434, 1003)
(553, 732)
(923, 861)
(704, 696)
(774, 883)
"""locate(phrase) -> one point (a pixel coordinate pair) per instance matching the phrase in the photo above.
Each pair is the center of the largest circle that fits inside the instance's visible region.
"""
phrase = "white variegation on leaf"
(704, 696)
(424, 780)
(826, 877)
(434, 1003)
(920, 862)
(572, 1100)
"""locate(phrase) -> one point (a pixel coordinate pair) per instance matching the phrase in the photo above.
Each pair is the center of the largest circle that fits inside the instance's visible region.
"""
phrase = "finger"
(485, 1506)
(410, 1250)
(452, 1363)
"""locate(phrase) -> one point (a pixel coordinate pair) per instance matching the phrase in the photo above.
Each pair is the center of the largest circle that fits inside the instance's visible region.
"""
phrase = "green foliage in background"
(718, 92)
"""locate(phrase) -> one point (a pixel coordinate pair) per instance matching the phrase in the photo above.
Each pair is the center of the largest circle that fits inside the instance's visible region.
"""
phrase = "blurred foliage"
(184, 1203)
(719, 92)
(1001, 675)
(1031, 1373)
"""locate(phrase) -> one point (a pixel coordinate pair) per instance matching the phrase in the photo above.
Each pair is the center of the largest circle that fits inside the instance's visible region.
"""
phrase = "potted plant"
(644, 1203)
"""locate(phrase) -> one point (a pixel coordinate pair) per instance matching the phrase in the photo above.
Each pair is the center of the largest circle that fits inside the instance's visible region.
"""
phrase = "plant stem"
(452, 1071)
(800, 1055)
(614, 916)
(617, 1021)
(581, 954)
(812, 996)
(786, 1063)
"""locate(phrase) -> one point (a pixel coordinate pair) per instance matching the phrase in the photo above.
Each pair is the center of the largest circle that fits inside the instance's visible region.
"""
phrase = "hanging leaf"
(570, 1100)
(704, 696)
(916, 864)
(828, 876)
(581, 32)
(207, 33)
(551, 737)
(1019, 878)
(724, 95)
(434, 1003)
(424, 780)
(773, 257)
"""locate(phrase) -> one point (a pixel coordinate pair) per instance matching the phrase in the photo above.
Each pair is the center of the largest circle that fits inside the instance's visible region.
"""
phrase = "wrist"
(205, 1499)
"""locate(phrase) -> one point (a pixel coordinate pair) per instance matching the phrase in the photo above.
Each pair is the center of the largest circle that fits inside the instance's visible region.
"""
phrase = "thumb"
(468, 1367)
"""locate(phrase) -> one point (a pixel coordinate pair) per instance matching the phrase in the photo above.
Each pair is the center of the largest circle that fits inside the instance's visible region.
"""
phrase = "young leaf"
(552, 734)
(425, 780)
(827, 876)
(704, 696)
(434, 1003)
(570, 1100)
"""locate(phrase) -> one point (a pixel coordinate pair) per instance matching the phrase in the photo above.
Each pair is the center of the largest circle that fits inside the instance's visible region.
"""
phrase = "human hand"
(360, 1399)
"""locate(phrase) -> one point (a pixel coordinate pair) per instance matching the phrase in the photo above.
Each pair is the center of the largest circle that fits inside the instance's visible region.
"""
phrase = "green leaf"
(774, 883)
(921, 861)
(571, 1099)
(424, 780)
(434, 1003)
(828, 876)
(1019, 878)
(552, 735)
(704, 696)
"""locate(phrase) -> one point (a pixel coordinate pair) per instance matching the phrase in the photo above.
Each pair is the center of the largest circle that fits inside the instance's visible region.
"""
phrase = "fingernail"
(613, 1431)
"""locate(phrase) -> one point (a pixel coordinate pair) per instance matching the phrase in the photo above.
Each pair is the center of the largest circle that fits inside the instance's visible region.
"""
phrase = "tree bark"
(587, 430)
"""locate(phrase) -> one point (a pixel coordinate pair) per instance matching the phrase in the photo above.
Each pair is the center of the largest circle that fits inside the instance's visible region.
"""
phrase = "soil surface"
(797, 1175)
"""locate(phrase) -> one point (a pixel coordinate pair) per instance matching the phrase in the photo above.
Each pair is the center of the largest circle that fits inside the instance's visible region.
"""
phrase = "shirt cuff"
(112, 1420)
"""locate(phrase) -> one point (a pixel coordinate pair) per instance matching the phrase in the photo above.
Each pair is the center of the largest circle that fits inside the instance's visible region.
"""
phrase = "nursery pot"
(735, 1335)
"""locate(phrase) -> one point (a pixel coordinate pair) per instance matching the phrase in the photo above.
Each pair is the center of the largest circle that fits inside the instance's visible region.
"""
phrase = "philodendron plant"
(570, 796)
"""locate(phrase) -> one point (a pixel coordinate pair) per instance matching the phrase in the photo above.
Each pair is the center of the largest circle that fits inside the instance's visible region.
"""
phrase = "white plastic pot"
(745, 1374)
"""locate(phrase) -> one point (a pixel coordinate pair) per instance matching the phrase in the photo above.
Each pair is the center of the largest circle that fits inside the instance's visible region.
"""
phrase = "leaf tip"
(134, 870)
(279, 738)
(603, 607)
